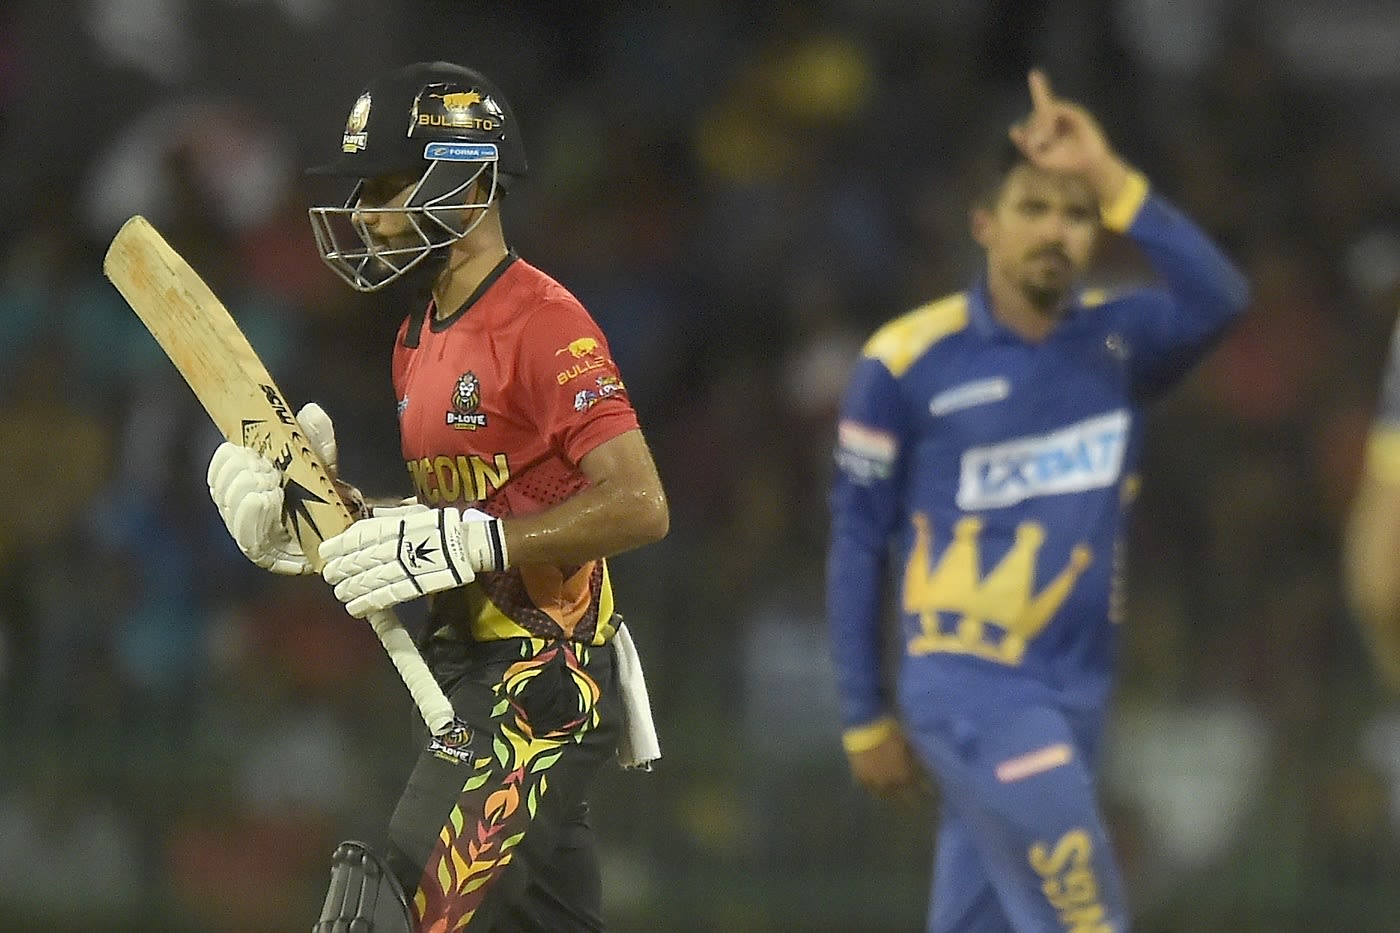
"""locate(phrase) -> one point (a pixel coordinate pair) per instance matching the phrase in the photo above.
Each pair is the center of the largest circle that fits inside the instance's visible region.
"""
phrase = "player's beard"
(1048, 279)
(1044, 299)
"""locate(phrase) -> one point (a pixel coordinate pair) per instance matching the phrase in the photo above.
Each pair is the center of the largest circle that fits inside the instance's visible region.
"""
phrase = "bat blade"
(210, 351)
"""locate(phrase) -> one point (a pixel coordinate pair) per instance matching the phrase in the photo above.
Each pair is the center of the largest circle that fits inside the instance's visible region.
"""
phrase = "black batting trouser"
(494, 825)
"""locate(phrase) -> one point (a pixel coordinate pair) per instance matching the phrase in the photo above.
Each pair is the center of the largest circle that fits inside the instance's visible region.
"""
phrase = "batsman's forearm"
(599, 522)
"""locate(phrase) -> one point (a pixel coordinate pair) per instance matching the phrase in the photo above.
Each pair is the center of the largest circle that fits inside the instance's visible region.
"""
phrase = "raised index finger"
(1042, 98)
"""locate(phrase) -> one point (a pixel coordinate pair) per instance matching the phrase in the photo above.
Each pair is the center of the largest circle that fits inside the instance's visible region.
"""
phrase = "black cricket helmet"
(441, 124)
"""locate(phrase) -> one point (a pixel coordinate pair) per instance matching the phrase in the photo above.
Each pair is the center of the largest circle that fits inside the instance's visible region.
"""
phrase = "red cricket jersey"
(497, 405)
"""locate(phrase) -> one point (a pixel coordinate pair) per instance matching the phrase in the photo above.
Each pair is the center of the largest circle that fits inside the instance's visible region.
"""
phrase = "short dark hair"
(1001, 157)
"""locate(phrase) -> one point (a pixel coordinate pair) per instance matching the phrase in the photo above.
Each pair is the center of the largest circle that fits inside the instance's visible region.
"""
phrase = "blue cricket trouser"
(1021, 843)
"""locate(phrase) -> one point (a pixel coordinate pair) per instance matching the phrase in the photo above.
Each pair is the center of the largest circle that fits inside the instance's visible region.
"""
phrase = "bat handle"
(432, 703)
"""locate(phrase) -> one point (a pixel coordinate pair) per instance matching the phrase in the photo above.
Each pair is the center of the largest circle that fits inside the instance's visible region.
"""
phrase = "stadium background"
(740, 192)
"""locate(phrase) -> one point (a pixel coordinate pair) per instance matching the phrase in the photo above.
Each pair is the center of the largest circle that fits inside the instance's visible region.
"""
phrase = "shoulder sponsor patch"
(1082, 456)
(581, 356)
(605, 386)
(863, 453)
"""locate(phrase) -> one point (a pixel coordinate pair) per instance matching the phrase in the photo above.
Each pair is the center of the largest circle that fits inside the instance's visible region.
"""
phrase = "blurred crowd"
(740, 192)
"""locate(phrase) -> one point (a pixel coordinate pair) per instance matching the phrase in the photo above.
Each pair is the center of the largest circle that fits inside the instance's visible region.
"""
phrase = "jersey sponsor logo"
(466, 398)
(605, 387)
(583, 367)
(1083, 456)
(863, 453)
(1066, 872)
(443, 480)
(969, 395)
(578, 349)
(1033, 763)
(587, 352)
(993, 616)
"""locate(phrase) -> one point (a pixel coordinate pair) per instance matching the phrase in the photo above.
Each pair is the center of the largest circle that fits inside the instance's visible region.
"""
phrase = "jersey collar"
(985, 324)
(439, 325)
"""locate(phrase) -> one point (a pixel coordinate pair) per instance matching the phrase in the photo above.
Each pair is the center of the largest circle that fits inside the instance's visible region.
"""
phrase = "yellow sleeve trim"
(1119, 215)
(864, 738)
(1383, 454)
(899, 343)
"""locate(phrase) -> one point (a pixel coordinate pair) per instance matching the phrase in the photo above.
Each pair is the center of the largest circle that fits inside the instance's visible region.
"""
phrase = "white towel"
(638, 747)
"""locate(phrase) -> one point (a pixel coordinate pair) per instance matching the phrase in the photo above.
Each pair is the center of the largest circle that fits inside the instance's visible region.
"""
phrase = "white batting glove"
(404, 553)
(247, 490)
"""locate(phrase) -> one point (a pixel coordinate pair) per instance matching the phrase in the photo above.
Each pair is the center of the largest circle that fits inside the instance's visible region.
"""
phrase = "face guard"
(441, 123)
(436, 215)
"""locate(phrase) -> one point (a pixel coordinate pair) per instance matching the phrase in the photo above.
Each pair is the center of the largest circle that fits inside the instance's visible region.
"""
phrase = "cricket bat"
(206, 345)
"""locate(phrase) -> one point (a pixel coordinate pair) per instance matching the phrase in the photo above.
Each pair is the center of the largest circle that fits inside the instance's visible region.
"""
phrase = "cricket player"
(986, 452)
(528, 470)
(1372, 536)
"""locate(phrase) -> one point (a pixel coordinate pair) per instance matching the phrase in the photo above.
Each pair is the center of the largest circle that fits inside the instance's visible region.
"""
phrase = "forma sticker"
(461, 152)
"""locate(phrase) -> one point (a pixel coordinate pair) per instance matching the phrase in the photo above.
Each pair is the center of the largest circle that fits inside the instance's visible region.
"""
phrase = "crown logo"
(996, 615)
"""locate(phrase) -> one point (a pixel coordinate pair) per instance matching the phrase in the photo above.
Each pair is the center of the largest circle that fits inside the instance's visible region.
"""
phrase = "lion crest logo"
(466, 399)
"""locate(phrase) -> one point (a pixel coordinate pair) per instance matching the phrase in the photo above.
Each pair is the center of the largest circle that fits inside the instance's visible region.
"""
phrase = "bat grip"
(432, 703)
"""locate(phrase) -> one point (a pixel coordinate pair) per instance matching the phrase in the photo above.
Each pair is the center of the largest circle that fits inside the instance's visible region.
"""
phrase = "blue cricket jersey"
(991, 476)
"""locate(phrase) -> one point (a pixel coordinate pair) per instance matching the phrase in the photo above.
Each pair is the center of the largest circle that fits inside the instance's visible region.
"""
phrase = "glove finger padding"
(232, 464)
(247, 491)
(380, 588)
(320, 432)
(232, 487)
(234, 474)
(254, 514)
